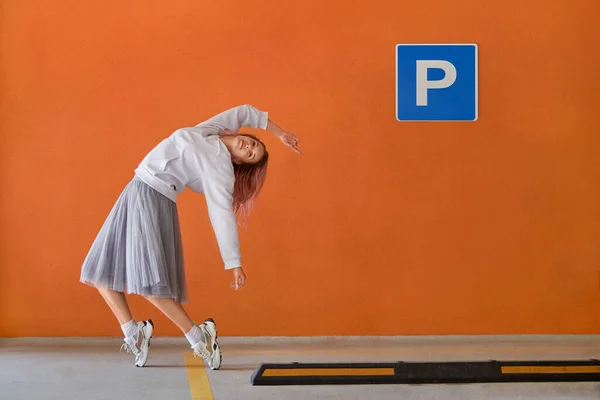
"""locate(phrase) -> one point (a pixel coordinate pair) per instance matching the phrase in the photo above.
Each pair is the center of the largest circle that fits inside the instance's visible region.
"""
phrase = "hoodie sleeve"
(218, 191)
(236, 117)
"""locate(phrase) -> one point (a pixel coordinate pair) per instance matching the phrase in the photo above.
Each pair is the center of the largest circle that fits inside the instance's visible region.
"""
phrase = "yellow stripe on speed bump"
(577, 369)
(199, 383)
(329, 372)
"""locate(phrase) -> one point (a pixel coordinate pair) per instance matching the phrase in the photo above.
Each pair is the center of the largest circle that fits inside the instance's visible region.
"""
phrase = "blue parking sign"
(436, 82)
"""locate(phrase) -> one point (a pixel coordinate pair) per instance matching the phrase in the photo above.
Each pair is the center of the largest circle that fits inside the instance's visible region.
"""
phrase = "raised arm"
(249, 116)
(236, 117)
(286, 137)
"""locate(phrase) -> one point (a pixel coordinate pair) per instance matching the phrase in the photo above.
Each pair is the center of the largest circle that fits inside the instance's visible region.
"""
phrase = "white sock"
(130, 329)
(195, 336)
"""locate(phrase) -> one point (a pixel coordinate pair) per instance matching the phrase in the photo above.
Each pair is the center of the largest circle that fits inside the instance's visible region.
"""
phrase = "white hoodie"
(195, 157)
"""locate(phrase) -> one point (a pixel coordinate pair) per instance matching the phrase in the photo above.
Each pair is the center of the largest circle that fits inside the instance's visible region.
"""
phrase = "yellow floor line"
(199, 383)
(389, 351)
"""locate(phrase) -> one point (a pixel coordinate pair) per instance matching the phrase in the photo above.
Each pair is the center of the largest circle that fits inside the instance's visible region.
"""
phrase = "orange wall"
(381, 227)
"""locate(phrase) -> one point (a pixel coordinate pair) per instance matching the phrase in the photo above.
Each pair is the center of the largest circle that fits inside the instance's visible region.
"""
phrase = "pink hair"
(249, 180)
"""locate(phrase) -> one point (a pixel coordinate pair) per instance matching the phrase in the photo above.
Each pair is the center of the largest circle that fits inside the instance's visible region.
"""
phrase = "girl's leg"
(118, 304)
(174, 311)
(137, 334)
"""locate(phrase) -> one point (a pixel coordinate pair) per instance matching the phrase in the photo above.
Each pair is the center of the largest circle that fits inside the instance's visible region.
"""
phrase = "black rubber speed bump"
(427, 372)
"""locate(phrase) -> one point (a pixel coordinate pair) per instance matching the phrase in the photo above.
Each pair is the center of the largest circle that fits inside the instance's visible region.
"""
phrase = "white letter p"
(423, 84)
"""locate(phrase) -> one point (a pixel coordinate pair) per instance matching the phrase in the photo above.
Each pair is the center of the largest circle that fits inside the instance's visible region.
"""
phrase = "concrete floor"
(94, 369)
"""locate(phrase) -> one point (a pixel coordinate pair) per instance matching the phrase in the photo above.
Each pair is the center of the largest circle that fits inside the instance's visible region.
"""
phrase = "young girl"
(138, 248)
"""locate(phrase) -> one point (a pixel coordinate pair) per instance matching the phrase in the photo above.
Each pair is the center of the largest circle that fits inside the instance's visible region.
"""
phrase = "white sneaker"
(214, 362)
(139, 346)
(212, 357)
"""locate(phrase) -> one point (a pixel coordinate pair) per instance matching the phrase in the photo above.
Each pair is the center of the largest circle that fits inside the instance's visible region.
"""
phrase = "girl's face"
(246, 150)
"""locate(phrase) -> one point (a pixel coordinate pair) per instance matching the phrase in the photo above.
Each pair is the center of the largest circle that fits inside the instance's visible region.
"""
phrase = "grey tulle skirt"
(138, 249)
